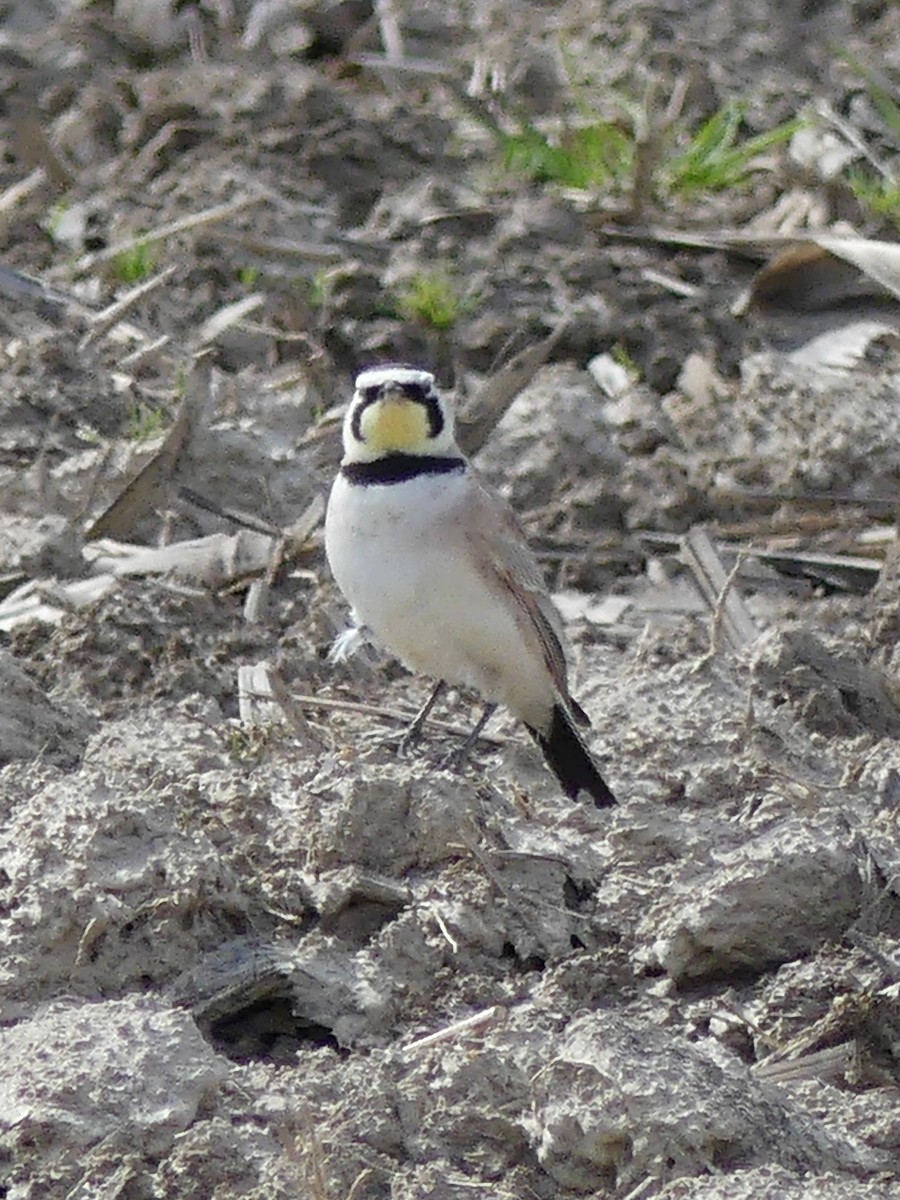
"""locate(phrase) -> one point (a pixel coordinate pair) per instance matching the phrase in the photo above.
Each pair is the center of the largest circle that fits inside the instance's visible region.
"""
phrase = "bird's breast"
(402, 557)
(384, 541)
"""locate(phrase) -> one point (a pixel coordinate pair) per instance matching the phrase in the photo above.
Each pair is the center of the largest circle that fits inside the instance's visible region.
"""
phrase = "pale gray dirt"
(226, 947)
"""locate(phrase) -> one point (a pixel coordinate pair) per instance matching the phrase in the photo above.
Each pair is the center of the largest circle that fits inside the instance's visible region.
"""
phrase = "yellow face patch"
(395, 424)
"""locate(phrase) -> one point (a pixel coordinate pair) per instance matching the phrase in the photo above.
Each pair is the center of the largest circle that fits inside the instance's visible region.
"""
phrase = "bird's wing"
(502, 549)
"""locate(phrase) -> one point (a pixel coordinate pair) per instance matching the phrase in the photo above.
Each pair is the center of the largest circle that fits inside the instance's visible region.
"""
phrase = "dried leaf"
(148, 490)
(213, 561)
(483, 416)
(826, 272)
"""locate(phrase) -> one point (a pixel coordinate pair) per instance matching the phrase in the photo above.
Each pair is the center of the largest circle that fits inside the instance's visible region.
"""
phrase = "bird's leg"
(414, 733)
(458, 758)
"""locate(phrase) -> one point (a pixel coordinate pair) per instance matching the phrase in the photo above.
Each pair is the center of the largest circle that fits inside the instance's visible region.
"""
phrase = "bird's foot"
(410, 741)
(413, 735)
(457, 759)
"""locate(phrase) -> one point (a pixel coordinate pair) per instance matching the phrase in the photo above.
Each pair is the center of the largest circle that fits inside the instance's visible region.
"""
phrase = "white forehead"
(379, 376)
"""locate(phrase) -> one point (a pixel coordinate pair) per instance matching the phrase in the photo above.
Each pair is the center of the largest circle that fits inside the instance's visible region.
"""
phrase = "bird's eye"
(370, 394)
(414, 392)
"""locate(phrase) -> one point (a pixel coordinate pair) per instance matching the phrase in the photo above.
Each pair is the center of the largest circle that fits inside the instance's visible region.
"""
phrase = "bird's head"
(397, 410)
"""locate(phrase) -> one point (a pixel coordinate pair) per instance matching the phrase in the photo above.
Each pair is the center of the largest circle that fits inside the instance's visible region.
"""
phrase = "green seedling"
(879, 195)
(877, 191)
(248, 744)
(55, 217)
(604, 154)
(321, 287)
(590, 156)
(716, 157)
(433, 298)
(136, 264)
(879, 93)
(145, 423)
(620, 354)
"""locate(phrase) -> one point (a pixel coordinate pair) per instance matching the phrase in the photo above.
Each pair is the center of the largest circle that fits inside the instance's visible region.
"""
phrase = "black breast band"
(398, 467)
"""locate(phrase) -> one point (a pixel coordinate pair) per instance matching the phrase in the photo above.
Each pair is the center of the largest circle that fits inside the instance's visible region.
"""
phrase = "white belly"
(399, 555)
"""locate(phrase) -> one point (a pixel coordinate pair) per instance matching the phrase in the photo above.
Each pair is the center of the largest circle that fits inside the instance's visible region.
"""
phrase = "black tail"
(569, 760)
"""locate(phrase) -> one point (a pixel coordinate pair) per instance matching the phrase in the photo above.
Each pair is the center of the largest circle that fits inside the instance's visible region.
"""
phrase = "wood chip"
(717, 585)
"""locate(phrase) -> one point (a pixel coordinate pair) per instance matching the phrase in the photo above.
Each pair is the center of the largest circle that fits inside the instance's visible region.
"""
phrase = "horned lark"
(436, 567)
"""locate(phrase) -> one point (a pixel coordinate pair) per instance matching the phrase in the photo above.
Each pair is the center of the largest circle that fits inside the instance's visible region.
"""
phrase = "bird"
(436, 569)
